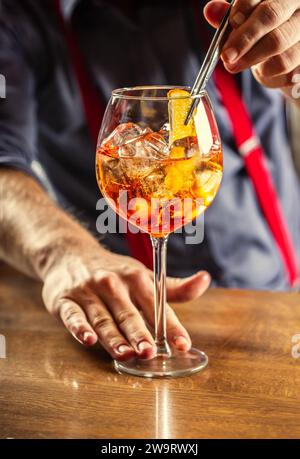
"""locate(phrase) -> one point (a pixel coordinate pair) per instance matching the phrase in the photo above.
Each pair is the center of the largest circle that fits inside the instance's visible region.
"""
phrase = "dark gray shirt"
(43, 129)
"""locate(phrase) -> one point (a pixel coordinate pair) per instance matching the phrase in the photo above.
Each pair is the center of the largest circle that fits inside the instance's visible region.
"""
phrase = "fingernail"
(217, 8)
(181, 342)
(231, 54)
(238, 19)
(123, 349)
(206, 277)
(143, 346)
(87, 337)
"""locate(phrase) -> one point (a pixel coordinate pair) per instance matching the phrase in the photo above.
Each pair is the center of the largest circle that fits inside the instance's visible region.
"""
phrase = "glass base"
(163, 366)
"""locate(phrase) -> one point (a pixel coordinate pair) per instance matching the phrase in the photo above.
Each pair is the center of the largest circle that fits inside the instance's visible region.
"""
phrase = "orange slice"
(180, 175)
(179, 105)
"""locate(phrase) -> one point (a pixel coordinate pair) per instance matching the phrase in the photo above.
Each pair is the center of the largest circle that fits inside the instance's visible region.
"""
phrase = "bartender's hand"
(100, 296)
(265, 37)
(97, 294)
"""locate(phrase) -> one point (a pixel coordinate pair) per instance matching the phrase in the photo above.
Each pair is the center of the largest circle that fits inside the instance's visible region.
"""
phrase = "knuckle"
(246, 40)
(268, 68)
(72, 319)
(277, 40)
(124, 316)
(109, 282)
(270, 12)
(100, 322)
(270, 83)
(137, 276)
(134, 274)
(69, 314)
(281, 64)
(144, 277)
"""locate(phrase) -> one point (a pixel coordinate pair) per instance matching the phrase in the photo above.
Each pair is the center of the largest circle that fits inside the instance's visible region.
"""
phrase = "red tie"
(250, 148)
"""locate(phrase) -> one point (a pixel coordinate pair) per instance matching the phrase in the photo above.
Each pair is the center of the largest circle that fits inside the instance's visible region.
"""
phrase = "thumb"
(214, 12)
(188, 288)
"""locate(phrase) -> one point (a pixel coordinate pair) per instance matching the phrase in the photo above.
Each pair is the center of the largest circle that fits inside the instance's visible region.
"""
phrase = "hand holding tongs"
(210, 61)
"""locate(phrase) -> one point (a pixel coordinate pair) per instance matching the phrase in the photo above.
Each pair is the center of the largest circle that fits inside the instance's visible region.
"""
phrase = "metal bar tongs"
(210, 61)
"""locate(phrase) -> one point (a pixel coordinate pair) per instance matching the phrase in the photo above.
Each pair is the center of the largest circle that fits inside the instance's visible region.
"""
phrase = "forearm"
(34, 232)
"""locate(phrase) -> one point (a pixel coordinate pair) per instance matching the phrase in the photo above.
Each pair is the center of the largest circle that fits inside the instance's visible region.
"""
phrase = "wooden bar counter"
(53, 387)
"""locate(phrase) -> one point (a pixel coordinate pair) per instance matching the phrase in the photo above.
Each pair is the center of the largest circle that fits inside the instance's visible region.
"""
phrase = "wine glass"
(159, 174)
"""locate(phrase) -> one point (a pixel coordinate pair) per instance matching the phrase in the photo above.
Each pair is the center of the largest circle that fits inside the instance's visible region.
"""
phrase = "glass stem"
(159, 245)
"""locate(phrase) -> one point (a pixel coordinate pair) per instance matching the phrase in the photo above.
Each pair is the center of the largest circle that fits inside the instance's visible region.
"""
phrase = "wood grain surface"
(53, 387)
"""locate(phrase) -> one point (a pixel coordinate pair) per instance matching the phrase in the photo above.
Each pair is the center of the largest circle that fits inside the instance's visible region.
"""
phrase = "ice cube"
(127, 138)
(209, 180)
(207, 184)
(112, 171)
(127, 151)
(148, 144)
(123, 134)
(153, 182)
(147, 130)
(131, 140)
(156, 146)
(135, 146)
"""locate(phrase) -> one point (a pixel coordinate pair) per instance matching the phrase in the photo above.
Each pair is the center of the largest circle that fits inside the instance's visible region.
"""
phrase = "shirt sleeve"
(18, 124)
